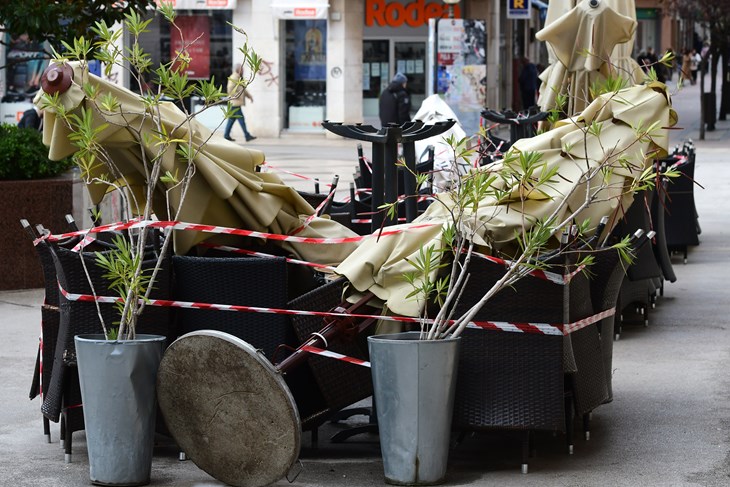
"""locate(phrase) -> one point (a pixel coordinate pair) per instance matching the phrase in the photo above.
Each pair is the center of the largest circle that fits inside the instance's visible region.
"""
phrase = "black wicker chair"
(681, 223)
(325, 387)
(644, 276)
(63, 395)
(606, 276)
(246, 281)
(521, 381)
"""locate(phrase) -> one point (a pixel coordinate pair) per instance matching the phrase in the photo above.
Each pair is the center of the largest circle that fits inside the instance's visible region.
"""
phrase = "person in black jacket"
(395, 102)
(31, 119)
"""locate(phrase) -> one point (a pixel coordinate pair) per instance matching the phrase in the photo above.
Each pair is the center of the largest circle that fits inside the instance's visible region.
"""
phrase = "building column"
(344, 61)
(264, 115)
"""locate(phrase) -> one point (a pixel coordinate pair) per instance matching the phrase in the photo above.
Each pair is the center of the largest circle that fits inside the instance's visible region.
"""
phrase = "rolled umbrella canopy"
(225, 190)
(582, 40)
(380, 265)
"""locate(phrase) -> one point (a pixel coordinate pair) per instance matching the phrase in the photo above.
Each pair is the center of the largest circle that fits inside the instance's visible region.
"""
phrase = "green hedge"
(23, 155)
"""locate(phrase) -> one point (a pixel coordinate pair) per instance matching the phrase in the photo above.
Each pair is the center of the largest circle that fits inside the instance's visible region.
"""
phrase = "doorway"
(382, 58)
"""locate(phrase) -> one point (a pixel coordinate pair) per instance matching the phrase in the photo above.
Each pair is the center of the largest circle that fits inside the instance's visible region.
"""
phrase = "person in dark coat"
(395, 101)
(31, 119)
(529, 82)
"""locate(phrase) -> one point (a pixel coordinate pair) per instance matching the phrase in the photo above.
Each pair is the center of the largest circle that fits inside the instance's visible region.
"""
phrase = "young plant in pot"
(515, 211)
(144, 149)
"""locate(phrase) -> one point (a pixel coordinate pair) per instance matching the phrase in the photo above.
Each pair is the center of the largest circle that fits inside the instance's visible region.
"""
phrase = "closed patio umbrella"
(225, 190)
(582, 40)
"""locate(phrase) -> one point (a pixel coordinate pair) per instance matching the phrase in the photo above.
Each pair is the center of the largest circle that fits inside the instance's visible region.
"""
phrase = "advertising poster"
(310, 40)
(24, 64)
(193, 28)
(462, 69)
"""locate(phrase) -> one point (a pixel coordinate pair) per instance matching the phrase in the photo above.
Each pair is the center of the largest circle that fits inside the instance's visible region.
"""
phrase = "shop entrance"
(382, 58)
(306, 75)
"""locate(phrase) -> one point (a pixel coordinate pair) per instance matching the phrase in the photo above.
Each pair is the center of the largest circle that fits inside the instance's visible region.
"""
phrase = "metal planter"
(118, 392)
(414, 382)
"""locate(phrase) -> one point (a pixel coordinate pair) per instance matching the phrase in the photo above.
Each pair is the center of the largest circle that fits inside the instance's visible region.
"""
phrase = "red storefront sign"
(195, 31)
(414, 14)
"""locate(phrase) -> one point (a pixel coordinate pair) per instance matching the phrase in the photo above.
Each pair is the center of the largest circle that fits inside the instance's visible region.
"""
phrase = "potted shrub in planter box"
(31, 187)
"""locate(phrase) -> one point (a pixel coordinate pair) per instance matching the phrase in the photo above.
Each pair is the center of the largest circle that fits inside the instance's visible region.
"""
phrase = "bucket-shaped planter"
(118, 392)
(414, 382)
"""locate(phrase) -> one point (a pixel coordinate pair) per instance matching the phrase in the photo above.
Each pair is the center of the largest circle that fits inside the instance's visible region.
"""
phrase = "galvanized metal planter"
(414, 382)
(118, 392)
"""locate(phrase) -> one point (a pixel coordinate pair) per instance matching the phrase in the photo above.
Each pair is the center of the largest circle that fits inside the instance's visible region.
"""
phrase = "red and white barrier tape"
(317, 212)
(546, 275)
(236, 250)
(364, 363)
(335, 355)
(175, 225)
(540, 328)
(300, 176)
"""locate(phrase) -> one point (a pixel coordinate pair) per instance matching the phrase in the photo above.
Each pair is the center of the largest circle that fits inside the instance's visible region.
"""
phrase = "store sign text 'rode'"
(414, 14)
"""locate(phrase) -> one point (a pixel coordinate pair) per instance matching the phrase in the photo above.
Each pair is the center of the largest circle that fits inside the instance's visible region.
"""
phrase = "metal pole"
(376, 199)
(409, 181)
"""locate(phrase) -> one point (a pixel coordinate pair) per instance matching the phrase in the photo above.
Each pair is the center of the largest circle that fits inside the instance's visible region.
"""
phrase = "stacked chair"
(682, 222)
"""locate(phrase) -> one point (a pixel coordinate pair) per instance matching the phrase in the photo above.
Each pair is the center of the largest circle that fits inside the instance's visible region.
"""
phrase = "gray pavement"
(669, 423)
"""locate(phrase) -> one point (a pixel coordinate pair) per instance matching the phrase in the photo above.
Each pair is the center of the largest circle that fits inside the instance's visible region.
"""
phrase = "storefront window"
(306, 74)
(211, 53)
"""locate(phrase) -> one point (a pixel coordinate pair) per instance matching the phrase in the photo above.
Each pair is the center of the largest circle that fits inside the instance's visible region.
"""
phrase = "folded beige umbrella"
(582, 40)
(380, 265)
(226, 190)
(621, 60)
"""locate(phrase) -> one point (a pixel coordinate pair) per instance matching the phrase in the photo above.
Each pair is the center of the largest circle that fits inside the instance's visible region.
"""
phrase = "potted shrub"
(31, 187)
(108, 130)
(516, 209)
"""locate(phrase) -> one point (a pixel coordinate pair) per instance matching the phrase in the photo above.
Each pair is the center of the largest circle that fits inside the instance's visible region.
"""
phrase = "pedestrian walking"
(694, 64)
(395, 101)
(528, 80)
(686, 73)
(238, 96)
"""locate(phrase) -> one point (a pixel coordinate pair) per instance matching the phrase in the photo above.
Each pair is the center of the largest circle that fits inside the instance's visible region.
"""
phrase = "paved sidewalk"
(669, 424)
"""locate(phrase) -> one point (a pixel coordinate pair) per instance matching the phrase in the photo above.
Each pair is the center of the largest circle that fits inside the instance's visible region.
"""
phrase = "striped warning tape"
(539, 328)
(175, 225)
(268, 165)
(317, 212)
(546, 275)
(335, 355)
(236, 250)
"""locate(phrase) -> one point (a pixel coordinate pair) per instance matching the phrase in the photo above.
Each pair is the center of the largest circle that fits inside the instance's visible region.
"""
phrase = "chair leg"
(47, 429)
(315, 437)
(587, 426)
(525, 451)
(569, 422)
(63, 431)
(67, 445)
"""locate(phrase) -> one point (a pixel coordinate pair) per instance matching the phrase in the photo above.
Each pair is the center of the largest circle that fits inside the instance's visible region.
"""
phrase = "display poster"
(366, 76)
(374, 70)
(24, 65)
(461, 75)
(310, 50)
(195, 32)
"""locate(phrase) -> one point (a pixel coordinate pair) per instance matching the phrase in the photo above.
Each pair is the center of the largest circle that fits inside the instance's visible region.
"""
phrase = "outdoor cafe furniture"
(63, 398)
(681, 224)
(536, 379)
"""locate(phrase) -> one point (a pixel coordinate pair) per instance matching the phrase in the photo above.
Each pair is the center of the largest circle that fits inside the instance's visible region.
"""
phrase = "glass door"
(375, 76)
(410, 59)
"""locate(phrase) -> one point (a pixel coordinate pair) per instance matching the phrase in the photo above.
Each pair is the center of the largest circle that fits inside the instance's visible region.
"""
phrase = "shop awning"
(204, 4)
(300, 10)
